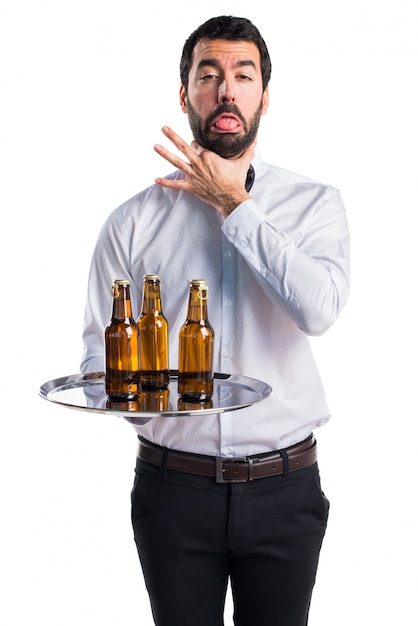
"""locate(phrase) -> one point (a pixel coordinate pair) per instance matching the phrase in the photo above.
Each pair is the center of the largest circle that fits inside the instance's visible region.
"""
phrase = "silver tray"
(86, 392)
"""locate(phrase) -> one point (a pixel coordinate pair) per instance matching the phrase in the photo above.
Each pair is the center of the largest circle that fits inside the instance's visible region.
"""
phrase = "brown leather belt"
(232, 469)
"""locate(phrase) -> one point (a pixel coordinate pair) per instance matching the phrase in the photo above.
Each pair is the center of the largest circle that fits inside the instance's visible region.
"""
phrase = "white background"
(85, 87)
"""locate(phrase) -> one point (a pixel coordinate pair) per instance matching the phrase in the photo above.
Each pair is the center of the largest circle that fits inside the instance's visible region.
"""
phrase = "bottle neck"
(122, 308)
(151, 301)
(197, 310)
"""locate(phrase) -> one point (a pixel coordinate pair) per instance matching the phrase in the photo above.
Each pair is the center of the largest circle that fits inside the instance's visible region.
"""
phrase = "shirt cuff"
(243, 219)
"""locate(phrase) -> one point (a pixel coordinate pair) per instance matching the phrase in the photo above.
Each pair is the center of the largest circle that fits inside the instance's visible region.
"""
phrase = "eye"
(208, 77)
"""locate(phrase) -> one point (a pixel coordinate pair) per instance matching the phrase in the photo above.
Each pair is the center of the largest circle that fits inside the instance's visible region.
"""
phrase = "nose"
(225, 92)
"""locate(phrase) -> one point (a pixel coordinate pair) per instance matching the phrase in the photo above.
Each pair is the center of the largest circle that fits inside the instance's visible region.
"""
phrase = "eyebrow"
(215, 63)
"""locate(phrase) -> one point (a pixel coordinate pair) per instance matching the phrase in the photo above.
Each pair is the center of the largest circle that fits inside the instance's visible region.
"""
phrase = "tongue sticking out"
(227, 123)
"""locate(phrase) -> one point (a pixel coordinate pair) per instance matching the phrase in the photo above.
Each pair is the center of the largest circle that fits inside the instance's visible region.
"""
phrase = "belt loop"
(285, 458)
(250, 469)
(163, 462)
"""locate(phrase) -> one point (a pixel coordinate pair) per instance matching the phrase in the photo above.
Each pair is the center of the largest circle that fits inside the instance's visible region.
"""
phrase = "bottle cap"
(118, 282)
(202, 287)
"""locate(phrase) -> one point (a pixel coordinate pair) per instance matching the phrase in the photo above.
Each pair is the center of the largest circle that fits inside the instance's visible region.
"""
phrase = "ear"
(265, 101)
(183, 98)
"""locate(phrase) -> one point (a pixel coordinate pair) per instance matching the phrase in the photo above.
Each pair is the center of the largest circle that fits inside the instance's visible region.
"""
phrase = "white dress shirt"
(277, 269)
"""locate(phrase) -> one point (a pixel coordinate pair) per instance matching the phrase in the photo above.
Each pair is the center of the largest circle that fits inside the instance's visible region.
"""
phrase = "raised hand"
(216, 181)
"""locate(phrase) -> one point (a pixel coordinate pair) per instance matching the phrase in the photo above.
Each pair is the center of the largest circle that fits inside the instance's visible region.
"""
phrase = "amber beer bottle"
(156, 400)
(121, 347)
(196, 336)
(153, 337)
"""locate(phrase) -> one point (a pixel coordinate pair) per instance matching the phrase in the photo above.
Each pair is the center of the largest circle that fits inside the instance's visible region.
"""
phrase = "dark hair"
(231, 29)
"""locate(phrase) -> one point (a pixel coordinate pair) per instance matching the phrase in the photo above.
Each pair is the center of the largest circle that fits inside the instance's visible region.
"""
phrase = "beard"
(226, 145)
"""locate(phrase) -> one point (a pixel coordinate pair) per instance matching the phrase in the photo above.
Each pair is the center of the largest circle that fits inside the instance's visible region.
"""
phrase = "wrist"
(232, 203)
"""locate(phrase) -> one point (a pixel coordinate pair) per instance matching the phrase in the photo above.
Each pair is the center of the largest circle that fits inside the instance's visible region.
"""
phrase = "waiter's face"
(225, 98)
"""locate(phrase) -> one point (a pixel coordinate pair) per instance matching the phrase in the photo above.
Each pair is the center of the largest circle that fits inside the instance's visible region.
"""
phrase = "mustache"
(226, 107)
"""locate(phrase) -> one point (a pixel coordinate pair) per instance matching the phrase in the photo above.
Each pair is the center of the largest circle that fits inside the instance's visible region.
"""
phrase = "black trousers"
(193, 534)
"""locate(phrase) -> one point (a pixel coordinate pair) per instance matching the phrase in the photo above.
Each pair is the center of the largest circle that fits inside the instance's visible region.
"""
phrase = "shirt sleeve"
(306, 271)
(110, 261)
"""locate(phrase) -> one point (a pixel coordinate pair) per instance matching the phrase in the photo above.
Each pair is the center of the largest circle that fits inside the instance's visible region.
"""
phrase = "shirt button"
(228, 302)
(228, 254)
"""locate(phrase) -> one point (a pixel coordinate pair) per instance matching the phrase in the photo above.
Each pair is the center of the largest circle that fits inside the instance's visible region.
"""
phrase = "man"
(273, 247)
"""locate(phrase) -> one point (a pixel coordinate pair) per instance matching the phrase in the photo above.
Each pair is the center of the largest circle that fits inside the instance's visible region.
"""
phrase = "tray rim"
(50, 388)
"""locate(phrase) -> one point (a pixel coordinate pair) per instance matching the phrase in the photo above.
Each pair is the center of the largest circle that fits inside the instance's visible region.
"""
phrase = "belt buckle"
(220, 469)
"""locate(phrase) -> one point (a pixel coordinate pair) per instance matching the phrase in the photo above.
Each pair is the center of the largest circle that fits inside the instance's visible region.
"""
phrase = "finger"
(170, 183)
(174, 159)
(178, 142)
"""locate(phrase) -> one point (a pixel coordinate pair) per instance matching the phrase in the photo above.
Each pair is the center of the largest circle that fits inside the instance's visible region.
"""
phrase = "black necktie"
(250, 179)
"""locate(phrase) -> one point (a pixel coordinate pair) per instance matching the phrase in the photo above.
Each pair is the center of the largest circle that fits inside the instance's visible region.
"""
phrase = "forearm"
(306, 275)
